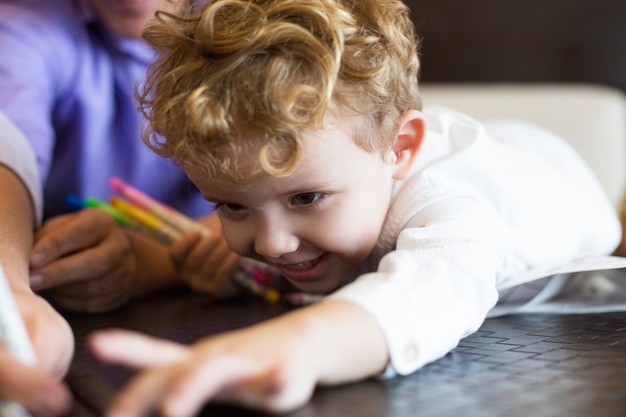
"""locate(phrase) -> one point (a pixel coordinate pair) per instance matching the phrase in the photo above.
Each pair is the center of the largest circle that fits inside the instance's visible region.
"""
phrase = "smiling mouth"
(303, 265)
(303, 271)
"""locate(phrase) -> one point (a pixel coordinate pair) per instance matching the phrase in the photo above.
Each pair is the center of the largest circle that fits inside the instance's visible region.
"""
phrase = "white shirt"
(483, 203)
(17, 154)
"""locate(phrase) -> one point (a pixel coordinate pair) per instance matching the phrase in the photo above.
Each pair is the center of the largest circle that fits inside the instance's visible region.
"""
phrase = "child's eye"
(229, 207)
(306, 199)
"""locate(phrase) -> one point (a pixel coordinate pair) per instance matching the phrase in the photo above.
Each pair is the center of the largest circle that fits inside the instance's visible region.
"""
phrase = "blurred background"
(580, 41)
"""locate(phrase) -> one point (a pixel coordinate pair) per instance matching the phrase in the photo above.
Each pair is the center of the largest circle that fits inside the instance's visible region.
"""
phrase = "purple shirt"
(69, 86)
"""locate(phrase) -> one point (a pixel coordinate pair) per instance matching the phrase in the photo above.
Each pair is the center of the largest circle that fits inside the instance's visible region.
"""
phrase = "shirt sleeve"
(17, 154)
(37, 64)
(436, 287)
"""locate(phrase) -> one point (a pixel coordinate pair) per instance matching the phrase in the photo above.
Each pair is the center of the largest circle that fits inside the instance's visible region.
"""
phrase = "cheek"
(362, 220)
(361, 237)
(351, 232)
(236, 238)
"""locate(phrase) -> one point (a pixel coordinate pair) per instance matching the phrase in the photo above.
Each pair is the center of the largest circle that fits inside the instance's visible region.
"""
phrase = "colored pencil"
(166, 213)
(146, 219)
(78, 203)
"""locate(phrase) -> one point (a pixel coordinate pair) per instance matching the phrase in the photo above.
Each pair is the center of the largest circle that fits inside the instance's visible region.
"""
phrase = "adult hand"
(38, 388)
(86, 260)
(204, 260)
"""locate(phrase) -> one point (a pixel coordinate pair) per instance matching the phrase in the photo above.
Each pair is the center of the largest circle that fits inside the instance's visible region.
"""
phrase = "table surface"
(534, 364)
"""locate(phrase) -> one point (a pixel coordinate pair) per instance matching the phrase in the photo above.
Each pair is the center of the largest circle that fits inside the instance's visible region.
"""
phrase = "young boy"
(301, 121)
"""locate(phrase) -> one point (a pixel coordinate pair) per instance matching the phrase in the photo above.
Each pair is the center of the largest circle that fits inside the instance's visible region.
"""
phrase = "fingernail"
(35, 280)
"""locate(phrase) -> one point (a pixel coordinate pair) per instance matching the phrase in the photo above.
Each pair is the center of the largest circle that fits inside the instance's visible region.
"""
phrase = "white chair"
(591, 117)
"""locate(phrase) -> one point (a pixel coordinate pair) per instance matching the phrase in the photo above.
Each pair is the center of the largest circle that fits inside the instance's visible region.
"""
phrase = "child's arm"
(273, 366)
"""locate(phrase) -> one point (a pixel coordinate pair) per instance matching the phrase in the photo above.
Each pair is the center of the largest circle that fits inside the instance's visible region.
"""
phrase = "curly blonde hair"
(239, 76)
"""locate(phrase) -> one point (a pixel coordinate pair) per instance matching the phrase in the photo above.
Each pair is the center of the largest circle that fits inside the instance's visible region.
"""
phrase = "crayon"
(140, 199)
(78, 203)
(146, 219)
(273, 295)
(14, 335)
(260, 272)
(270, 294)
(258, 278)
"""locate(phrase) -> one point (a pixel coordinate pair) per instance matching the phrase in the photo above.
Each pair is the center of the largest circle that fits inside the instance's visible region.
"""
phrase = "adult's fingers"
(91, 260)
(31, 387)
(69, 233)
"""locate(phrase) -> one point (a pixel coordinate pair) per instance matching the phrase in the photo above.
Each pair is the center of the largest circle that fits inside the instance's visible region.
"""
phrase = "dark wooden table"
(526, 365)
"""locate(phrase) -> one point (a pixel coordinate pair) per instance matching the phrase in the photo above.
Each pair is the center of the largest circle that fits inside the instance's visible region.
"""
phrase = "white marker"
(15, 337)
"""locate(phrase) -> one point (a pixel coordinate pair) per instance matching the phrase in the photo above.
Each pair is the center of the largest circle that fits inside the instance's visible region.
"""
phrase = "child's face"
(318, 223)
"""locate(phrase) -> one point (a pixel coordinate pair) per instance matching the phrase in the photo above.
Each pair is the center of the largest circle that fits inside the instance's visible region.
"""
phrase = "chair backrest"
(591, 117)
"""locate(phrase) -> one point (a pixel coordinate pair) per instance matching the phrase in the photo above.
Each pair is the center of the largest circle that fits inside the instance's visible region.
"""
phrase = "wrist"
(345, 342)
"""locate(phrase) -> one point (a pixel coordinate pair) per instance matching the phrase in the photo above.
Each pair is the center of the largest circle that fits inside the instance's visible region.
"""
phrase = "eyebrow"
(213, 200)
(307, 187)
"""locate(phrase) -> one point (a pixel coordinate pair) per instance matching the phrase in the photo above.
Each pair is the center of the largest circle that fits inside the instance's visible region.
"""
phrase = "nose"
(274, 239)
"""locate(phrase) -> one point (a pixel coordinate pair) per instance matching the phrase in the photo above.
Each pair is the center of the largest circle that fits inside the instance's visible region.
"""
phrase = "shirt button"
(410, 353)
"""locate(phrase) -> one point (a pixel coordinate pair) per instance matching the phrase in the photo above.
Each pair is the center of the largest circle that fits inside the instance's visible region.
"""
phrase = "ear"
(408, 141)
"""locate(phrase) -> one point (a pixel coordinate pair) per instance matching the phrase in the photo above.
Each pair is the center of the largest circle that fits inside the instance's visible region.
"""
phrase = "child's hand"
(86, 260)
(273, 366)
(262, 367)
(205, 262)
